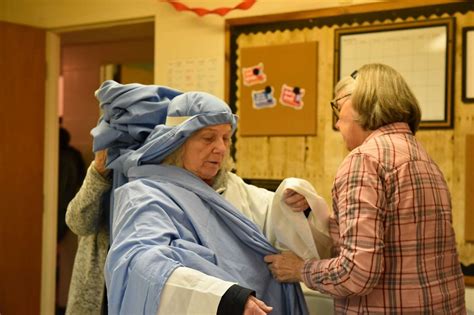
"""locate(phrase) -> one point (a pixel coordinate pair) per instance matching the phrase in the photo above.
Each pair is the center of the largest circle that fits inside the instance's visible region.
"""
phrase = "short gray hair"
(381, 96)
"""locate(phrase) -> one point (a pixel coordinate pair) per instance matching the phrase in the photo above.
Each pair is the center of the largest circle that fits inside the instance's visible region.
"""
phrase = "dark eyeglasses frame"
(354, 74)
(335, 107)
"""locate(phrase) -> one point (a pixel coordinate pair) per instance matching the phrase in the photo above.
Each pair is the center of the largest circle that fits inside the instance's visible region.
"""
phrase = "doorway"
(84, 54)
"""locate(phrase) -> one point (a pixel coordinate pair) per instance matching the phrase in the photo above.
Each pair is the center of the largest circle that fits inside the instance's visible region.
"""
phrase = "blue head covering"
(187, 113)
(130, 112)
(142, 124)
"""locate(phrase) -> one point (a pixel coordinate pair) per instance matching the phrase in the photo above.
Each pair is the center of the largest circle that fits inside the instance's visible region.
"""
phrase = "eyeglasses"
(335, 108)
(354, 74)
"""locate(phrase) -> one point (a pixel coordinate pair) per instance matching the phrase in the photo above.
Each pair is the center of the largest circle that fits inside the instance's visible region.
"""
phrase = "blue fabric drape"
(167, 218)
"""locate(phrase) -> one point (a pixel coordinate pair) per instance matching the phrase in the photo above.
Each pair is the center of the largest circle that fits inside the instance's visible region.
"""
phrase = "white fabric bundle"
(292, 229)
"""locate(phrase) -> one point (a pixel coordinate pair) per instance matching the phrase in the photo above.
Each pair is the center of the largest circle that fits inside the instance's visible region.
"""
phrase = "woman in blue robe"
(188, 236)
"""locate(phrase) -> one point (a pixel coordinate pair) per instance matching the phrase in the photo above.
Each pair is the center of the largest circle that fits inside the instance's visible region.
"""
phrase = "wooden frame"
(468, 64)
(423, 52)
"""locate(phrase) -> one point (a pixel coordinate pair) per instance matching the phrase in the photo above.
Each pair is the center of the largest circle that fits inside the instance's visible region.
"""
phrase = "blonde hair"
(381, 96)
(344, 86)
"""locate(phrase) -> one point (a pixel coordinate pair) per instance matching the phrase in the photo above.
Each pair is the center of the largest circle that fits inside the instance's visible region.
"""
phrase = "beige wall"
(70, 13)
(179, 35)
(189, 37)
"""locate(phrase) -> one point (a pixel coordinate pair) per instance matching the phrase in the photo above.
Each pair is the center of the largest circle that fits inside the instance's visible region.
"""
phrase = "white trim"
(176, 120)
(50, 179)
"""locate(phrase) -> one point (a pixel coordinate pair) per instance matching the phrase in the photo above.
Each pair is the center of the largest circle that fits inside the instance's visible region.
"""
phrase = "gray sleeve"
(84, 211)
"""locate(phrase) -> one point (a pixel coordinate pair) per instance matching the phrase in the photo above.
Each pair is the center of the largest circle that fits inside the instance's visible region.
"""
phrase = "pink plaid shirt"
(396, 250)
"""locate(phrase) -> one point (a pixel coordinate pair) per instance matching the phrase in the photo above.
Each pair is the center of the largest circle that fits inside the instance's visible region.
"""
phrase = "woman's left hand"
(285, 267)
(295, 201)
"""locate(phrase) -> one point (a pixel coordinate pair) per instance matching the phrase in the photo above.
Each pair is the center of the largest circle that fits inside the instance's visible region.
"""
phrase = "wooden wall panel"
(22, 91)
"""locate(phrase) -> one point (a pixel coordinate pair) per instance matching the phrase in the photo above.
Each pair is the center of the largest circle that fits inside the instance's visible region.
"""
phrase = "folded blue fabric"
(130, 113)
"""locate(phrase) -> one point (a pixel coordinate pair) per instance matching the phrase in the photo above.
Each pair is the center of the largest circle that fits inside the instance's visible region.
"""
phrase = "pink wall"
(80, 68)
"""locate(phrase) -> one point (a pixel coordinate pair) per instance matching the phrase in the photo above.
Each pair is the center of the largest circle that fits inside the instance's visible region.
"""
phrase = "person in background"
(189, 236)
(71, 174)
(87, 217)
(394, 243)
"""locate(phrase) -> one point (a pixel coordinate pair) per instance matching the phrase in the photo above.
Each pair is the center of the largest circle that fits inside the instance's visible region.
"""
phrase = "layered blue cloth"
(167, 218)
(198, 110)
(133, 113)
(130, 112)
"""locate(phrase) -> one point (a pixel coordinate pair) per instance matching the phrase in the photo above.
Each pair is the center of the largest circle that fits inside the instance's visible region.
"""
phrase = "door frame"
(51, 156)
(50, 179)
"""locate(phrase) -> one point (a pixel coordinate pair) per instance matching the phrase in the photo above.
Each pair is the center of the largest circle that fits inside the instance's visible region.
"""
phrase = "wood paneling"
(22, 91)
(469, 232)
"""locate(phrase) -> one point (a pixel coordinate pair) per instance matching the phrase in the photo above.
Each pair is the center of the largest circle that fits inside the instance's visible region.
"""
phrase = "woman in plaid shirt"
(394, 243)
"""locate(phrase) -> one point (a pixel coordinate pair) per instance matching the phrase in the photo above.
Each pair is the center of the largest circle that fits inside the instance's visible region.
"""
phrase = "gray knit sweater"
(85, 218)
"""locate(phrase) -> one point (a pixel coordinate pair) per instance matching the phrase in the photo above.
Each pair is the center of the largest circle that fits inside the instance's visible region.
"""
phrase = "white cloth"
(189, 291)
(291, 228)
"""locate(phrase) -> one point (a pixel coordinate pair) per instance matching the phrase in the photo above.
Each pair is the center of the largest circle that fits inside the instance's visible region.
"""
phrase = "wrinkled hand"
(285, 267)
(255, 306)
(295, 201)
(100, 159)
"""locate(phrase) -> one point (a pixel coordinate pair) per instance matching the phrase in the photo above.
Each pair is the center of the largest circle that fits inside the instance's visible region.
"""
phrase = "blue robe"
(167, 218)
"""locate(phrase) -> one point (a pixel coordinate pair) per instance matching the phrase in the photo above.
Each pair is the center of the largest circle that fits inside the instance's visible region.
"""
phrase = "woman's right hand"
(99, 162)
(255, 306)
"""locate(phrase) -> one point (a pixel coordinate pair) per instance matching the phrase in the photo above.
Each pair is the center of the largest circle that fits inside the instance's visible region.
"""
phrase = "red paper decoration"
(179, 6)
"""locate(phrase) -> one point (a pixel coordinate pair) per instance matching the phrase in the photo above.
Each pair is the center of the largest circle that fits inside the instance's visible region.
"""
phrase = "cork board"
(277, 90)
(469, 214)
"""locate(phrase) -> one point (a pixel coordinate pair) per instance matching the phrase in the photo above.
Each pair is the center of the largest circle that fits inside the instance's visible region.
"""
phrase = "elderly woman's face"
(351, 131)
(205, 150)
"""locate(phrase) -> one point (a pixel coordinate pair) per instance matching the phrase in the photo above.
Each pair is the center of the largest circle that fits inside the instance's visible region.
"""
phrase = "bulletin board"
(421, 51)
(277, 90)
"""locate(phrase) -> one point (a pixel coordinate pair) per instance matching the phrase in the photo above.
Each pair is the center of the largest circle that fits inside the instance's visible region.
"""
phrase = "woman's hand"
(295, 201)
(285, 267)
(255, 306)
(99, 162)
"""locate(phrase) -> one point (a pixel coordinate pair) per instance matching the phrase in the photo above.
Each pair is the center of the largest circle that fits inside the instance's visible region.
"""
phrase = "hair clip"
(354, 74)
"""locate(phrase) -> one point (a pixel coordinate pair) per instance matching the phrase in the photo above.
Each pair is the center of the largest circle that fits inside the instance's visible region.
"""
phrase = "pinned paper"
(263, 98)
(292, 96)
(254, 75)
